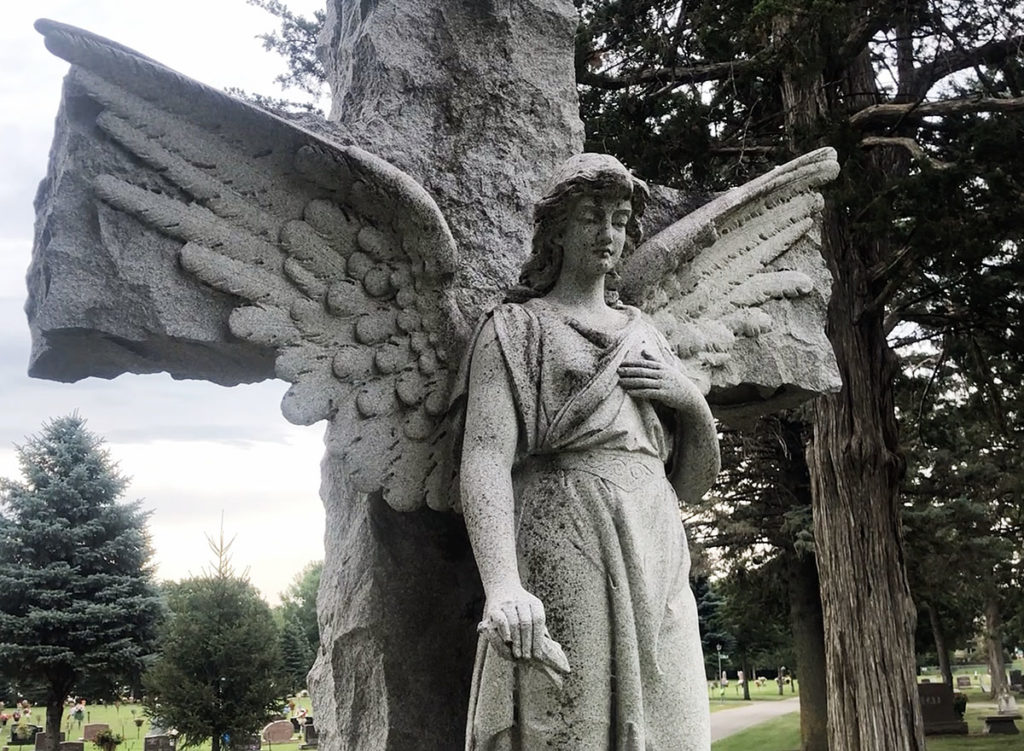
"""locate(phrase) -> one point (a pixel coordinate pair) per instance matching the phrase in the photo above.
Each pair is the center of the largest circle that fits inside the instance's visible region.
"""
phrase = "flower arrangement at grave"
(959, 703)
(107, 739)
(24, 731)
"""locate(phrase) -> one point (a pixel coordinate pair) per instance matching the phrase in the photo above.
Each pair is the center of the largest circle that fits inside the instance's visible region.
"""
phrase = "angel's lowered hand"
(514, 627)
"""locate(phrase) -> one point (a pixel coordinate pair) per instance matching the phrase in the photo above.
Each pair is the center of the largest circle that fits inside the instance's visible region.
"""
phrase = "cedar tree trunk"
(941, 648)
(809, 643)
(994, 647)
(854, 459)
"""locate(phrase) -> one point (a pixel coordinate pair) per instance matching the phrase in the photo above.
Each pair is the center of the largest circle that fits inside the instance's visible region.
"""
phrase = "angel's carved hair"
(583, 174)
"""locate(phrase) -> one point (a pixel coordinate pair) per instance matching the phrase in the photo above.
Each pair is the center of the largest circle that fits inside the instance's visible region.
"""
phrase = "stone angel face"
(586, 221)
(343, 269)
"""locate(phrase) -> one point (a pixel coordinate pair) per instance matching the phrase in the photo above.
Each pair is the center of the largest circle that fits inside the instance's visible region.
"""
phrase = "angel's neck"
(580, 294)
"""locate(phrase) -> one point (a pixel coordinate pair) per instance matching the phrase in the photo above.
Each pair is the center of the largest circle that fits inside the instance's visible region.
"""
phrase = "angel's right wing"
(739, 289)
(337, 261)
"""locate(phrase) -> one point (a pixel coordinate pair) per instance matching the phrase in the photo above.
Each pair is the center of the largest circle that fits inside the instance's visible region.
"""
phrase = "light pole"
(721, 691)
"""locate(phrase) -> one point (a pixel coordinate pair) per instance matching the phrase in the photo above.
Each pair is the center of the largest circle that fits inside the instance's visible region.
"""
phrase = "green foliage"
(218, 663)
(295, 40)
(713, 635)
(76, 594)
(300, 631)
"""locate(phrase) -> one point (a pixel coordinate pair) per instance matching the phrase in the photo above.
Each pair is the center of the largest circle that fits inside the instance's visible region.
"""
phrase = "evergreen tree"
(300, 631)
(216, 673)
(77, 600)
(712, 632)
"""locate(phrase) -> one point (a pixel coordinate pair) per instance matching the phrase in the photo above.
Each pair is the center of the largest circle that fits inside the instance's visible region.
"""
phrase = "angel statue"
(566, 425)
(582, 436)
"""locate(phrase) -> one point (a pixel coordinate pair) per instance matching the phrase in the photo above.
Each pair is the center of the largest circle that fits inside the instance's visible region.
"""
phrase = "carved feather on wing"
(739, 288)
(340, 262)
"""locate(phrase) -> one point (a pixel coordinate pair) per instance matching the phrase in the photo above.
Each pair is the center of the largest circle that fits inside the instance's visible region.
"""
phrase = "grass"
(121, 720)
(779, 734)
(783, 734)
(733, 696)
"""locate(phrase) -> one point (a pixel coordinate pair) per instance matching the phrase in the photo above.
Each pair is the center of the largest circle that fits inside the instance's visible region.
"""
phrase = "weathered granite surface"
(478, 103)
(476, 100)
(590, 636)
(106, 293)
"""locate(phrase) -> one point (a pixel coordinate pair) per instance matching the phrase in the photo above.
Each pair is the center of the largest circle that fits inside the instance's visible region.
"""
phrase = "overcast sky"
(193, 450)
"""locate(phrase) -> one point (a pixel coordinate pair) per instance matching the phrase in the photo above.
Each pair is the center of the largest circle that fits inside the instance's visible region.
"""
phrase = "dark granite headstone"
(41, 739)
(158, 743)
(24, 735)
(963, 681)
(252, 743)
(1016, 680)
(937, 710)
(1002, 724)
(309, 736)
(72, 746)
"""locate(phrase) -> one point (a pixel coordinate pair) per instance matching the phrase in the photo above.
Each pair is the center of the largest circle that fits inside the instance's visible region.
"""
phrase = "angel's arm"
(489, 446)
(697, 460)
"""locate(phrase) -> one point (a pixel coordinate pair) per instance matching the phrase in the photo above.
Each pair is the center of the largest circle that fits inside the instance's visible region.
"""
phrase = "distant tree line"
(80, 613)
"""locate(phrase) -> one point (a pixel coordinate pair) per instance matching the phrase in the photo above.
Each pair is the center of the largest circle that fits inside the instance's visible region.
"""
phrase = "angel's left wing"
(739, 288)
(331, 259)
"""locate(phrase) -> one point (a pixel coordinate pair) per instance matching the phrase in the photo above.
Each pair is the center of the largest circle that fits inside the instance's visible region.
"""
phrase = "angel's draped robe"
(601, 543)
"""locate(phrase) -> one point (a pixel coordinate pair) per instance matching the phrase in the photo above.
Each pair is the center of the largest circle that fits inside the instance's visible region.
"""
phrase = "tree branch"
(881, 114)
(758, 149)
(678, 74)
(907, 143)
(861, 34)
(956, 60)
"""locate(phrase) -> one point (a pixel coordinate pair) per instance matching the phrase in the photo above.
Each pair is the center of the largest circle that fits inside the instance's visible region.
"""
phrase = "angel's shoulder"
(511, 316)
(511, 328)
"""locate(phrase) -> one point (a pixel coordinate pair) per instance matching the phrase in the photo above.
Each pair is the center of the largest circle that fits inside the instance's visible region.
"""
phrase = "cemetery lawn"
(733, 699)
(121, 720)
(783, 734)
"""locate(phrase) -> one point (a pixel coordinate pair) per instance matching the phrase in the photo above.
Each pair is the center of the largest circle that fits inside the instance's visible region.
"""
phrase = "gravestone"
(937, 710)
(309, 736)
(72, 746)
(963, 681)
(89, 732)
(42, 738)
(1017, 680)
(158, 743)
(24, 735)
(1004, 722)
(251, 743)
(477, 103)
(279, 731)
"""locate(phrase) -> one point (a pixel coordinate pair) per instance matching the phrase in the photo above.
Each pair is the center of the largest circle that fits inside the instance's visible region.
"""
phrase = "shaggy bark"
(941, 648)
(855, 470)
(809, 644)
(994, 647)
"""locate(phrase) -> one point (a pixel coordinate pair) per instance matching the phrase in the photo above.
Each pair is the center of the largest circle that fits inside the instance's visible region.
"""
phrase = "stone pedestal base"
(1002, 724)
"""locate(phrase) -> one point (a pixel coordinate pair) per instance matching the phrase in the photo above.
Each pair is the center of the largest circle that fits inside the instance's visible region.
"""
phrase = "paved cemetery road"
(730, 721)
